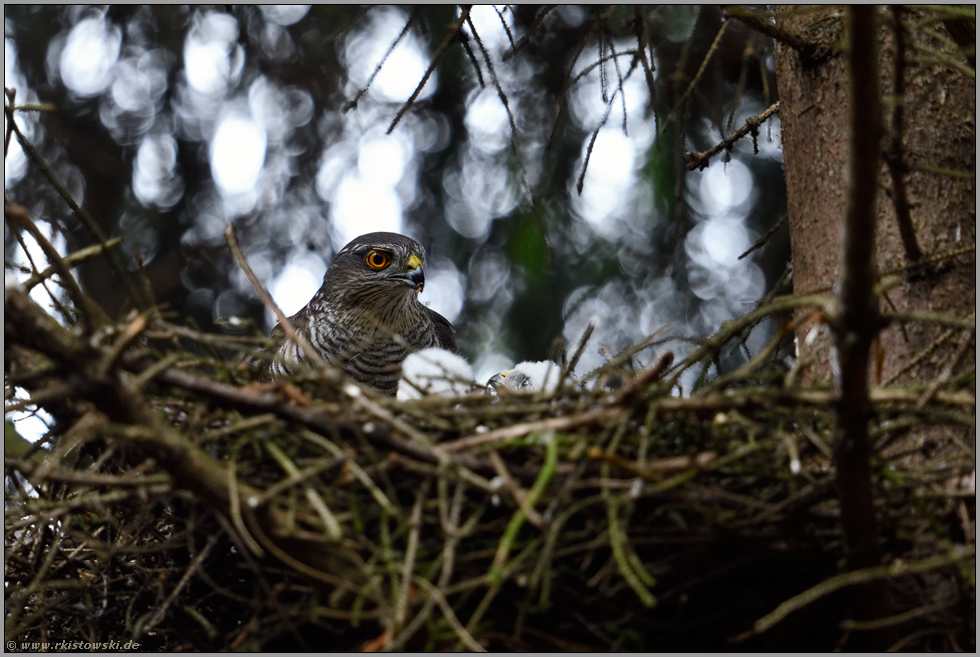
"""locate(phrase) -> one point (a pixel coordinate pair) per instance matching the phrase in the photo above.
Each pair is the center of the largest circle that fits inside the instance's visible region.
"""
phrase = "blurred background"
(171, 122)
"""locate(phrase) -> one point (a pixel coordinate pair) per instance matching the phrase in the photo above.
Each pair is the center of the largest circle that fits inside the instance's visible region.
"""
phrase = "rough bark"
(923, 181)
(939, 133)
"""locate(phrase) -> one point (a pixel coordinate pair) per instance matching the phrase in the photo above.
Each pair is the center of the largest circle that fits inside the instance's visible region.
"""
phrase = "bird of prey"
(528, 376)
(366, 317)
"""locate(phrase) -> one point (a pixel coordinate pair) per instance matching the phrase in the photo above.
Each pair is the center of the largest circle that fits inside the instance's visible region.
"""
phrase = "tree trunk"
(939, 142)
(925, 207)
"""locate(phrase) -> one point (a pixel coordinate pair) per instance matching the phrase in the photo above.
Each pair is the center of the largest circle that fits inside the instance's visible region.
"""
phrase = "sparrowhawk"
(528, 376)
(366, 317)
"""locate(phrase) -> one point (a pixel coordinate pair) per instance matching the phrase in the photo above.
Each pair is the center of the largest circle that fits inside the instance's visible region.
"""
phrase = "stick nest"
(179, 504)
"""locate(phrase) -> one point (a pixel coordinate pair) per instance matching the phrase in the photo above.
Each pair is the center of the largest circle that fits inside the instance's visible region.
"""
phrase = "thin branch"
(595, 135)
(465, 41)
(287, 326)
(751, 126)
(91, 314)
(947, 372)
(436, 56)
(500, 14)
(567, 82)
(408, 24)
(895, 157)
(874, 574)
(530, 32)
(619, 78)
(83, 215)
(765, 237)
(806, 49)
(8, 109)
(450, 616)
(697, 77)
(70, 261)
(642, 39)
(411, 550)
(503, 99)
(742, 76)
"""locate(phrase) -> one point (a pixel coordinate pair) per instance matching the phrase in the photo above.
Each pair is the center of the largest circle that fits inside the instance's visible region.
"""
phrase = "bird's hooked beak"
(414, 275)
(498, 381)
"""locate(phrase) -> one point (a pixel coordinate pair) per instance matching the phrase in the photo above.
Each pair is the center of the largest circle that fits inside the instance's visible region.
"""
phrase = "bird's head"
(387, 264)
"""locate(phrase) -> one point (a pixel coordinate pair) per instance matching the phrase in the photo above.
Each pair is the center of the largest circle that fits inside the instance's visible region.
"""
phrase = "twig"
(697, 78)
(579, 350)
(495, 574)
(330, 522)
(503, 99)
(408, 24)
(27, 468)
(751, 125)
(946, 319)
(450, 616)
(270, 303)
(465, 41)
(71, 260)
(806, 49)
(520, 495)
(530, 32)
(897, 619)
(595, 134)
(619, 78)
(91, 314)
(158, 615)
(918, 358)
(895, 157)
(937, 58)
(863, 576)
(83, 215)
(500, 14)
(411, 550)
(642, 39)
(12, 212)
(517, 430)
(8, 106)
(355, 470)
(765, 237)
(567, 82)
(947, 372)
(436, 56)
(742, 76)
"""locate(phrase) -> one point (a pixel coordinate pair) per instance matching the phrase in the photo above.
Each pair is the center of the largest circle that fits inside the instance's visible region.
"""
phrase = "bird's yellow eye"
(378, 259)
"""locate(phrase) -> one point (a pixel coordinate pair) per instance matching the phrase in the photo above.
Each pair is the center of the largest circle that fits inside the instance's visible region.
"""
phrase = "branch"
(287, 326)
(82, 214)
(876, 574)
(352, 104)
(809, 51)
(858, 322)
(700, 160)
(436, 56)
(895, 156)
(510, 115)
(530, 32)
(132, 420)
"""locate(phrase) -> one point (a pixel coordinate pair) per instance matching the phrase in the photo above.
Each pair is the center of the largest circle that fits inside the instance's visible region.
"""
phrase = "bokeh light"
(236, 115)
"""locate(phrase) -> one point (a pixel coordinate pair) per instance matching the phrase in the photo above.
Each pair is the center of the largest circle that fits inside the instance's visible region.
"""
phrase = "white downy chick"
(434, 371)
(528, 376)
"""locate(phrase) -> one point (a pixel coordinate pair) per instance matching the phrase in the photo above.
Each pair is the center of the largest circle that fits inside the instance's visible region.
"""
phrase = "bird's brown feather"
(353, 320)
